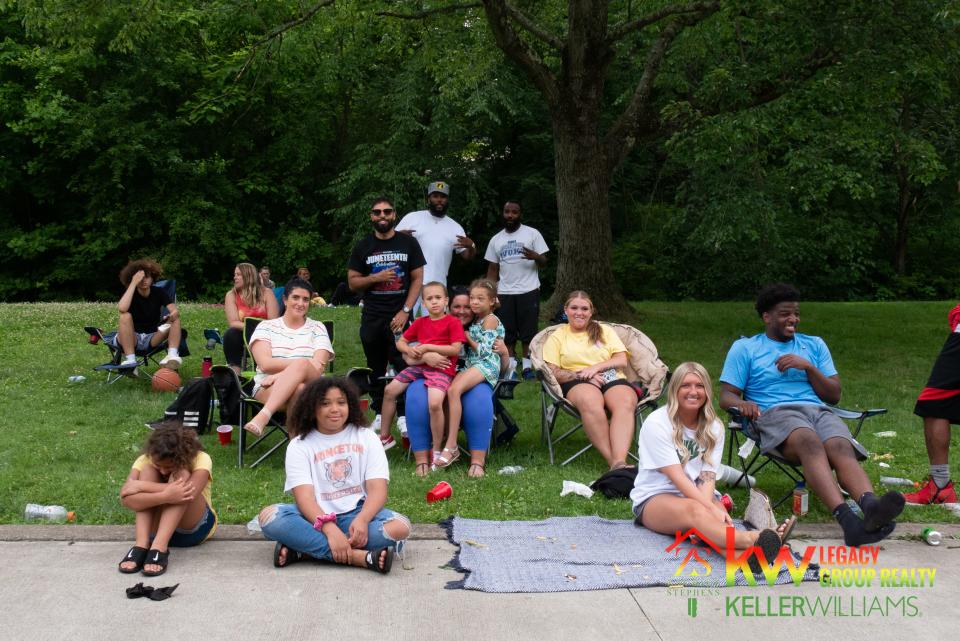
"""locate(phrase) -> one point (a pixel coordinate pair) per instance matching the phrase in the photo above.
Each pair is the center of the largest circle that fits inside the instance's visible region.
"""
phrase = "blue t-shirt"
(751, 367)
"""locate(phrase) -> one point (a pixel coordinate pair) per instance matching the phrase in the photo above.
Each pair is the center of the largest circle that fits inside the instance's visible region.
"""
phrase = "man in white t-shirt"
(514, 255)
(439, 236)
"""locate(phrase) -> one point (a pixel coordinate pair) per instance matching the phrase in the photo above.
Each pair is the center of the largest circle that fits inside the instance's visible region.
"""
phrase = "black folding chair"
(740, 430)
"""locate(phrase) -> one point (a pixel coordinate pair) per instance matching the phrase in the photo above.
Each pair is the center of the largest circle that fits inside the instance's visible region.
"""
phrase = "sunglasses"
(381, 212)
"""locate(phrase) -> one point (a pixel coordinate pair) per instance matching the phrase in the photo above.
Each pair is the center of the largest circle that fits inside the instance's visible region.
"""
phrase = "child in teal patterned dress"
(482, 364)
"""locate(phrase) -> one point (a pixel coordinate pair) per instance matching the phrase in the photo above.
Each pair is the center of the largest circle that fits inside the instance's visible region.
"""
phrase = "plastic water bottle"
(207, 366)
(51, 513)
(76, 379)
(511, 469)
(895, 480)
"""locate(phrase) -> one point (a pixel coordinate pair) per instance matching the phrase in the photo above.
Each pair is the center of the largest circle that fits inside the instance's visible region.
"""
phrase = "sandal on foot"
(254, 428)
(373, 557)
(482, 470)
(769, 543)
(292, 556)
(156, 557)
(447, 457)
(422, 469)
(135, 555)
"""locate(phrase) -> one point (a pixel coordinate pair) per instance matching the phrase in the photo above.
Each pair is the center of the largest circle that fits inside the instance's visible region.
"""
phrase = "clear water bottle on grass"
(49, 513)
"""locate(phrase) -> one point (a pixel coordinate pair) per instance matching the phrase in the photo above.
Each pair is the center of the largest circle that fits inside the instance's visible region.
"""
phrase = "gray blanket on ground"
(564, 554)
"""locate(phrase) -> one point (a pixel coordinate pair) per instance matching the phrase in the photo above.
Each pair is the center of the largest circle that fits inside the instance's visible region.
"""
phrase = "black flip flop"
(292, 556)
(136, 554)
(769, 543)
(373, 560)
(156, 557)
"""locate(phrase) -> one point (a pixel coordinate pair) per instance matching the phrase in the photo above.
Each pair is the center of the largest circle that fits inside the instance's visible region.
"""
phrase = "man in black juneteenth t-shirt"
(387, 268)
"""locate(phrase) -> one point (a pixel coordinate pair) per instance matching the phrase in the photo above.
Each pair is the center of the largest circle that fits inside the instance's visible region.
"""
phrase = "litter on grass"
(882, 464)
(887, 434)
(572, 487)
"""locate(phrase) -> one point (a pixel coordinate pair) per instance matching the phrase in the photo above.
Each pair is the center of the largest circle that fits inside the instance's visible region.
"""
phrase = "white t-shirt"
(437, 237)
(656, 450)
(290, 343)
(518, 275)
(337, 465)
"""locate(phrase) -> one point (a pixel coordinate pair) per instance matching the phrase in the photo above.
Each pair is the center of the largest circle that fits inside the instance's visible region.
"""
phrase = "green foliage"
(786, 134)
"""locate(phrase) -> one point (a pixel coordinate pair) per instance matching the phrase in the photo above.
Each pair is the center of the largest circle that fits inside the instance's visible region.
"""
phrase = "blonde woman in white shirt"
(680, 447)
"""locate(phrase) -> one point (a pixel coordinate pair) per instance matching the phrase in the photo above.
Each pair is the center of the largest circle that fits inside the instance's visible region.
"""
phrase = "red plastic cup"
(440, 491)
(364, 404)
(727, 502)
(225, 434)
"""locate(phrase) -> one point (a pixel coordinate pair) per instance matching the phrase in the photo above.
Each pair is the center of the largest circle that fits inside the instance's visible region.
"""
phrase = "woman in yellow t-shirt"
(587, 360)
(169, 490)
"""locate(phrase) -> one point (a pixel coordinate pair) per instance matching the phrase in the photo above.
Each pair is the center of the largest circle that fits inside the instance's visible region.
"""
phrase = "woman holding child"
(587, 360)
(290, 351)
(680, 447)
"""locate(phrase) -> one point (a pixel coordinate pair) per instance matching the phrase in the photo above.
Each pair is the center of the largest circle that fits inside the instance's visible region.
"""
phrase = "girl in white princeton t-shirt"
(337, 471)
(679, 450)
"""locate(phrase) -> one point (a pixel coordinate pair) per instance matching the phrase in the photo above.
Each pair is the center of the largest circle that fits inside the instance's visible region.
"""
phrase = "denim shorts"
(203, 530)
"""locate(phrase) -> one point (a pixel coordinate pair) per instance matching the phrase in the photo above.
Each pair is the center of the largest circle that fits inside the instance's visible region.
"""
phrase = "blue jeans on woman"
(477, 415)
(288, 526)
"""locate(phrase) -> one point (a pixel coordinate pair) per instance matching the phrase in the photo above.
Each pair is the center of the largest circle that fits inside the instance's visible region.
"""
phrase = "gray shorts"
(638, 511)
(143, 341)
(776, 424)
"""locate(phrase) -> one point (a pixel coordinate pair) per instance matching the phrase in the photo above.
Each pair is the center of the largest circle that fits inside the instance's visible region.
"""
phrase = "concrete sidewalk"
(61, 582)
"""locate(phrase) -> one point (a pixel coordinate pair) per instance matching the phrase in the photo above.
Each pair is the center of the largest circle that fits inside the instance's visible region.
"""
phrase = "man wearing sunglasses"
(387, 269)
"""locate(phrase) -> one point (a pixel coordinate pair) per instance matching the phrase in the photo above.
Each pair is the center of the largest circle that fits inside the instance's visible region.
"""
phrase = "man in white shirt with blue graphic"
(515, 256)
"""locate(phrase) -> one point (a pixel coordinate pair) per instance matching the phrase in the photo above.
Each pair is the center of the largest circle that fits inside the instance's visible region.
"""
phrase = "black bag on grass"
(192, 405)
(229, 396)
(616, 484)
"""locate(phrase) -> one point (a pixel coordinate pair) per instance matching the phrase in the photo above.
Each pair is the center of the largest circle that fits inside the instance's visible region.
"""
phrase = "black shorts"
(566, 387)
(519, 314)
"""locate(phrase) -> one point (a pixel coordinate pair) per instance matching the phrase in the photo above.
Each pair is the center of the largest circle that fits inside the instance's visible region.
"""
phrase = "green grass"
(72, 444)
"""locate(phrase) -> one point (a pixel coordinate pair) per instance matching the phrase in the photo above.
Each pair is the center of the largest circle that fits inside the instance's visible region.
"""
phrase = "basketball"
(165, 380)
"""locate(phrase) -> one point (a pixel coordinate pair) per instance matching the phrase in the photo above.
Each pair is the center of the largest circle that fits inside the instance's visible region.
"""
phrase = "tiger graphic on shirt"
(338, 471)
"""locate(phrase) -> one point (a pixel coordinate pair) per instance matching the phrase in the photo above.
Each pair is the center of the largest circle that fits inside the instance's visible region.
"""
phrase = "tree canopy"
(810, 141)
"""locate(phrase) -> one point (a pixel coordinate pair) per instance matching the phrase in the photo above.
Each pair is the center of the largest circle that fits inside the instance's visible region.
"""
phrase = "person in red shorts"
(939, 407)
(438, 332)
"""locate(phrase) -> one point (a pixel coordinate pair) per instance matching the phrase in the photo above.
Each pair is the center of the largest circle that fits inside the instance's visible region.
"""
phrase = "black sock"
(854, 532)
(880, 512)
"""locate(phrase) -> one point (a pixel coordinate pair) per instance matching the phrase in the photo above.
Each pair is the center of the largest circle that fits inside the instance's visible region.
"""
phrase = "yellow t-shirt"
(573, 350)
(201, 461)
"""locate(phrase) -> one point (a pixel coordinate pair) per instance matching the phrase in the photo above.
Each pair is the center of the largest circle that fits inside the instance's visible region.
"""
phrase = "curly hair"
(594, 331)
(483, 283)
(171, 441)
(772, 295)
(302, 418)
(148, 265)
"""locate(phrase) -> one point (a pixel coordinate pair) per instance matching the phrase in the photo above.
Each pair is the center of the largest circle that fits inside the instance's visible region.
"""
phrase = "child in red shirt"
(441, 333)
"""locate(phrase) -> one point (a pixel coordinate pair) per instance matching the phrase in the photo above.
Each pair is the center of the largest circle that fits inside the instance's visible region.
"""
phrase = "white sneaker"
(171, 362)
(402, 425)
(375, 425)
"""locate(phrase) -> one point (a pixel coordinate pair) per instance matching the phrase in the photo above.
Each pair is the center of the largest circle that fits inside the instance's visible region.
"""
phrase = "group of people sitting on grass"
(779, 379)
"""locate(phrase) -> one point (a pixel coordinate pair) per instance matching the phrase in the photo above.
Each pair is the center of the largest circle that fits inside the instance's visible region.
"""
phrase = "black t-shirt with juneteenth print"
(373, 255)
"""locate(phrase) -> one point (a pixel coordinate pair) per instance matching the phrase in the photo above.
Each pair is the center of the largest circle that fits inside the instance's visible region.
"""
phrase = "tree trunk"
(583, 206)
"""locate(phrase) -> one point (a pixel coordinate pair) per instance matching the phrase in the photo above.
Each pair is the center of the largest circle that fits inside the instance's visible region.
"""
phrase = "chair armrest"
(854, 415)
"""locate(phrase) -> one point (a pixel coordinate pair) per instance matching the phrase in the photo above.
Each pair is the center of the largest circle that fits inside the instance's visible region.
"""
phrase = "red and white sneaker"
(387, 441)
(930, 493)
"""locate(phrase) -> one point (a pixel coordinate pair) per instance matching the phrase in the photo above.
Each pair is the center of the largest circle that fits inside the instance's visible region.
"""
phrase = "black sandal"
(136, 554)
(156, 557)
(292, 556)
(373, 560)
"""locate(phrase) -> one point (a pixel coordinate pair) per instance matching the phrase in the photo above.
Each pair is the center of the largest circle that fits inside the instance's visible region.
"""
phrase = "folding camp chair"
(741, 430)
(644, 369)
(144, 357)
(223, 377)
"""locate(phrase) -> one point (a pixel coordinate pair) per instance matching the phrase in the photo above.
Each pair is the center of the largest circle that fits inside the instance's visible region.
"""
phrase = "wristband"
(322, 519)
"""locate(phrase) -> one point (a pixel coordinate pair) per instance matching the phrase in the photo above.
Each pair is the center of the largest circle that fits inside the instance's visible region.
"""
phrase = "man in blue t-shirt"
(782, 381)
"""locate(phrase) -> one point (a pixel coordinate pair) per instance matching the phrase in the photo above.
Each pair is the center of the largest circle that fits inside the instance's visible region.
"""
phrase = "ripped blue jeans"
(288, 526)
